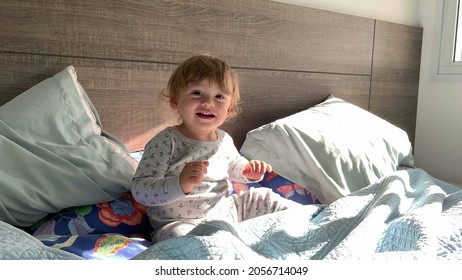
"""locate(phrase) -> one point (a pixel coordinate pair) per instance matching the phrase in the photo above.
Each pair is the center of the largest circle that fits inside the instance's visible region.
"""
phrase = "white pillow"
(55, 154)
(331, 149)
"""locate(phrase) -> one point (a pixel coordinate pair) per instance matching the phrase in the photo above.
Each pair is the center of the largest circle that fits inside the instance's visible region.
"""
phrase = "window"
(458, 53)
(450, 60)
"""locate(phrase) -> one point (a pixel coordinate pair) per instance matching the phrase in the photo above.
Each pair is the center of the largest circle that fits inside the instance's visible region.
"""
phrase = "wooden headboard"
(288, 58)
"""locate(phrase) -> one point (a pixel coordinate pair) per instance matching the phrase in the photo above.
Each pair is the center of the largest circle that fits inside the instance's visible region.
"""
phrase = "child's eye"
(219, 96)
(196, 93)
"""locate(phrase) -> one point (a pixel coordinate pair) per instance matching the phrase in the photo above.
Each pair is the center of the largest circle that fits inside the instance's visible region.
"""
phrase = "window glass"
(450, 56)
(458, 47)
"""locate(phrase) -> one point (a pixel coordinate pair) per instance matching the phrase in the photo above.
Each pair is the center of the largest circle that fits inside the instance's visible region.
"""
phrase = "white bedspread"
(406, 215)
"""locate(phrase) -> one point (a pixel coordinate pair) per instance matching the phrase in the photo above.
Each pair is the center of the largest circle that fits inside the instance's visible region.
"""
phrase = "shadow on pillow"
(331, 149)
(55, 154)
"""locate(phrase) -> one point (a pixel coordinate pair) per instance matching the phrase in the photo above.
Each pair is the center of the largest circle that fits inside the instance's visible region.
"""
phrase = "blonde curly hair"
(200, 67)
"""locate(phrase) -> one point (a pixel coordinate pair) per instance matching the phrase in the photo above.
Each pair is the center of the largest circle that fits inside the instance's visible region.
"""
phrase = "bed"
(329, 100)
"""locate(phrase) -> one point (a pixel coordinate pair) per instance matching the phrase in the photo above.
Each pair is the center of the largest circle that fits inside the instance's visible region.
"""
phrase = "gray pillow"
(332, 149)
(55, 154)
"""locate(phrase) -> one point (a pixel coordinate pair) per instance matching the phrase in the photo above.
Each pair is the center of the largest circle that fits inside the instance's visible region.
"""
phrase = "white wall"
(438, 143)
(438, 147)
(398, 11)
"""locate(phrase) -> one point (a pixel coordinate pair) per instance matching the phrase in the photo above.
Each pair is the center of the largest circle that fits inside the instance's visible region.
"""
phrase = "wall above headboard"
(287, 57)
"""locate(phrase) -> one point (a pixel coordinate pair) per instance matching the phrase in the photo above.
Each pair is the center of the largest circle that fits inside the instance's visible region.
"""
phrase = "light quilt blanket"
(406, 215)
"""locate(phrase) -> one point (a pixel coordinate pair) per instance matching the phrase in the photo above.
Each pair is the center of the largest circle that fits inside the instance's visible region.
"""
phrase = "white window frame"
(458, 48)
(447, 65)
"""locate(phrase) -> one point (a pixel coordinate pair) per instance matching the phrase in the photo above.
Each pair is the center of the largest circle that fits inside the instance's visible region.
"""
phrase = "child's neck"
(198, 135)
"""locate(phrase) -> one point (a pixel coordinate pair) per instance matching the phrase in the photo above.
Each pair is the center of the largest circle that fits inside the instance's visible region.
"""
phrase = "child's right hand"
(192, 174)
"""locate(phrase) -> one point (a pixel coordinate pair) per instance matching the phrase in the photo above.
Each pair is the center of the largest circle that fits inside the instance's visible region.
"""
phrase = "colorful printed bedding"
(117, 229)
(280, 185)
(120, 229)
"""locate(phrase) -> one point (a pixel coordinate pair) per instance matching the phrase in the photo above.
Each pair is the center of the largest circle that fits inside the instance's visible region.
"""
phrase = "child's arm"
(150, 185)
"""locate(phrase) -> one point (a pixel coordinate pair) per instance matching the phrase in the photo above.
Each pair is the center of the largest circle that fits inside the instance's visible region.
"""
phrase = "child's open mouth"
(203, 115)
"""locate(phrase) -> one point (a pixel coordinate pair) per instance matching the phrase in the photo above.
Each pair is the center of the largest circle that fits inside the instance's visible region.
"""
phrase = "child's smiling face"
(203, 107)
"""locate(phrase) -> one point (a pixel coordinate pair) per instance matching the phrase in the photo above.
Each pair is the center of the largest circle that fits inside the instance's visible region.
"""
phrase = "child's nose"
(207, 101)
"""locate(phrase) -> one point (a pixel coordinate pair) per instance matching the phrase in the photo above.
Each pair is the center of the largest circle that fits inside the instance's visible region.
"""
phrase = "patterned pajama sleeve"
(150, 185)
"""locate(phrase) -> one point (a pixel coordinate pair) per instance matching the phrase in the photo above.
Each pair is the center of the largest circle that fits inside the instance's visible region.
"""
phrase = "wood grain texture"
(270, 95)
(127, 94)
(251, 34)
(395, 74)
(288, 58)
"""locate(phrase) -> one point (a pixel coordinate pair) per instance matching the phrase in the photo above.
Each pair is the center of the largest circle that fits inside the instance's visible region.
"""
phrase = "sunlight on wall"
(407, 13)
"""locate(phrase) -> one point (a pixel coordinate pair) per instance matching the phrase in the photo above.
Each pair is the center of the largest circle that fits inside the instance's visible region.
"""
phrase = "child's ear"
(230, 108)
(173, 104)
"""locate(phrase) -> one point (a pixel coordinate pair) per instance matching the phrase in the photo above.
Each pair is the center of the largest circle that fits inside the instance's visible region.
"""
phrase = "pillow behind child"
(55, 154)
(332, 149)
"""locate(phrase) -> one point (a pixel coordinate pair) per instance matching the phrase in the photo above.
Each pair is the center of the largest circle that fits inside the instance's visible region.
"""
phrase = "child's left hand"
(255, 169)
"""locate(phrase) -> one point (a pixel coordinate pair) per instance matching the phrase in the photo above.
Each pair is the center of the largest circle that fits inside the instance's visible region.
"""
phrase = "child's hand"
(255, 169)
(192, 174)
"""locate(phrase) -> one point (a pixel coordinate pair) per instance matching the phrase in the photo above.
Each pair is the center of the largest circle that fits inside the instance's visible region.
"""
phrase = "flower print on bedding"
(118, 211)
(122, 215)
(280, 185)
